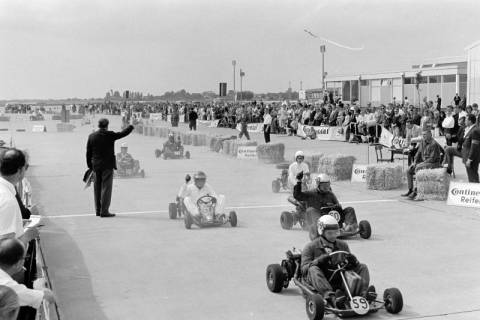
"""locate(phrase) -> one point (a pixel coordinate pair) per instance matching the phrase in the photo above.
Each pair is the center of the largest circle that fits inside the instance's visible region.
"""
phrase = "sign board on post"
(359, 172)
(386, 138)
(464, 194)
(247, 152)
(39, 128)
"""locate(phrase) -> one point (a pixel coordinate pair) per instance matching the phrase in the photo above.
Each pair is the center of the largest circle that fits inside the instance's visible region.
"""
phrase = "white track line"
(240, 207)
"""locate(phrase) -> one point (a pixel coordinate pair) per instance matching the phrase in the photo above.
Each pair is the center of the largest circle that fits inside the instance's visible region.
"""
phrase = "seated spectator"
(428, 156)
(12, 255)
(413, 136)
(456, 151)
(9, 305)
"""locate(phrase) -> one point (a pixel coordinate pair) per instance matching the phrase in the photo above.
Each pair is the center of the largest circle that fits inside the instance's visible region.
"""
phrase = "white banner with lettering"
(247, 152)
(321, 132)
(464, 194)
(155, 116)
(359, 172)
(251, 127)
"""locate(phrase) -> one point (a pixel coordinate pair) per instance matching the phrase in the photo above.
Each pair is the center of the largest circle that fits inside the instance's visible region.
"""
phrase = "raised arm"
(123, 133)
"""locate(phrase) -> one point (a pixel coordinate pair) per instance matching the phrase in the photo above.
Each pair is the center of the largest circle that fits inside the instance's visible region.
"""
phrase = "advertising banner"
(247, 152)
(359, 172)
(252, 127)
(464, 194)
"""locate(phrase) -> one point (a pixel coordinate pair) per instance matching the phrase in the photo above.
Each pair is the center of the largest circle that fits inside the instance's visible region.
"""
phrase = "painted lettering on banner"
(464, 194)
(247, 152)
(155, 116)
(359, 173)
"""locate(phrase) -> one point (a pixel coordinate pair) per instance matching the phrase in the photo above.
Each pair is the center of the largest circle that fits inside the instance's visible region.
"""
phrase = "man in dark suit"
(471, 149)
(192, 119)
(452, 152)
(101, 159)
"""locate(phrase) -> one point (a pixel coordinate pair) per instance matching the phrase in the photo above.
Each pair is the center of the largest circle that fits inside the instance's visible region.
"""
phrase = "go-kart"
(281, 183)
(172, 154)
(208, 217)
(278, 276)
(37, 117)
(290, 218)
(134, 172)
(176, 209)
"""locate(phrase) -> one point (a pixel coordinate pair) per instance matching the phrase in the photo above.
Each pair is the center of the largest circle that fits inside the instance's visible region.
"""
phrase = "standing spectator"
(450, 151)
(439, 103)
(471, 149)
(192, 119)
(243, 125)
(405, 101)
(101, 159)
(267, 125)
(457, 99)
(448, 125)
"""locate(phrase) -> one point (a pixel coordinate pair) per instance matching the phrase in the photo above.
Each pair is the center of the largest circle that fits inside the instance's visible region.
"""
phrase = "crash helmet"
(124, 145)
(200, 175)
(327, 222)
(299, 154)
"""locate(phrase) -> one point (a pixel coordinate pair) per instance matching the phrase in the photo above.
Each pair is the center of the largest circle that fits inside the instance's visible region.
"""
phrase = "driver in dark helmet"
(317, 264)
(198, 189)
(321, 197)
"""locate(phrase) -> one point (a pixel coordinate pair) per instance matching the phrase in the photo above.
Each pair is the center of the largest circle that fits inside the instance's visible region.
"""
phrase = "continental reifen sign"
(464, 194)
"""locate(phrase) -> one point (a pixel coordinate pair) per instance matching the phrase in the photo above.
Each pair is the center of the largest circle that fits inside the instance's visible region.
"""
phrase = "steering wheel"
(206, 200)
(341, 265)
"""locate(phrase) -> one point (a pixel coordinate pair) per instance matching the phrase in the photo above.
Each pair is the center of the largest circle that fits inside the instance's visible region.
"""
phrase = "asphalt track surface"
(141, 265)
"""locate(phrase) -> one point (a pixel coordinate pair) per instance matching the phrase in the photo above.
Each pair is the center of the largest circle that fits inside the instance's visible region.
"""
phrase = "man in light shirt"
(267, 125)
(12, 256)
(296, 167)
(199, 189)
(13, 165)
(448, 125)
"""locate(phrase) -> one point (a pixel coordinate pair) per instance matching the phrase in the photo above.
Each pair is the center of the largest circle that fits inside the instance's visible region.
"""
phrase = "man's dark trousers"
(266, 133)
(472, 172)
(192, 125)
(102, 189)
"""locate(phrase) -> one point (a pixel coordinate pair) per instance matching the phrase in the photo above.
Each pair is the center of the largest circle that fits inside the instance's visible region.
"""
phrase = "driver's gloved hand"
(322, 260)
(352, 261)
(300, 176)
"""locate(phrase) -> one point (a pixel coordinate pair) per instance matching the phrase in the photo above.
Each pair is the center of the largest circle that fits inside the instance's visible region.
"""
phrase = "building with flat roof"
(473, 72)
(444, 77)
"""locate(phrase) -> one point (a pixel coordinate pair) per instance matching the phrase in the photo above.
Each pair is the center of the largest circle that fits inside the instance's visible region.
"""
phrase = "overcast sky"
(83, 48)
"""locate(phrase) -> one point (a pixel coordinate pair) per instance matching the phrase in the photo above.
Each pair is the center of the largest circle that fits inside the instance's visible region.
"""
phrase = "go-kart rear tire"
(364, 229)
(172, 210)
(275, 278)
(233, 218)
(188, 220)
(276, 186)
(315, 307)
(187, 155)
(393, 300)
(286, 220)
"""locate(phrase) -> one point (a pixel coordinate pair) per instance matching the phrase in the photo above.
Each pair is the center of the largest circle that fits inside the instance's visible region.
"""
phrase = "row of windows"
(407, 80)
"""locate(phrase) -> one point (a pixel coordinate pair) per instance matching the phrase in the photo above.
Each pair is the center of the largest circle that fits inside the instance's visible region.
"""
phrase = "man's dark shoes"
(108, 215)
(409, 192)
(413, 195)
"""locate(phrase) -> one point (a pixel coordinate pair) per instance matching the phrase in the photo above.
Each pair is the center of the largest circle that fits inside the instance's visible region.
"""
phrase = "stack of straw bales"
(271, 153)
(313, 161)
(384, 176)
(432, 184)
(337, 166)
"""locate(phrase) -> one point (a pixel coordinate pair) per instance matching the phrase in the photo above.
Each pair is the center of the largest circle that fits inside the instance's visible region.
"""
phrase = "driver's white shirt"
(294, 169)
(194, 193)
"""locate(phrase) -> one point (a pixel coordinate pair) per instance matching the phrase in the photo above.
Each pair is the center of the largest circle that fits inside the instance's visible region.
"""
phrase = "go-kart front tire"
(172, 210)
(364, 229)
(275, 278)
(315, 307)
(393, 300)
(187, 155)
(233, 218)
(286, 220)
(275, 186)
(188, 220)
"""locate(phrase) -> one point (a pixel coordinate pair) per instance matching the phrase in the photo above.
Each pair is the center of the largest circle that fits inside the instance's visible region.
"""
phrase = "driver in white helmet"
(296, 167)
(317, 260)
(200, 188)
(320, 198)
(125, 160)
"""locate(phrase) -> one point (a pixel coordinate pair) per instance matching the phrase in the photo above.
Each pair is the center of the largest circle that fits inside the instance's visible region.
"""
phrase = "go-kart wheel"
(393, 300)
(233, 218)
(275, 186)
(364, 229)
(315, 307)
(142, 173)
(172, 210)
(275, 278)
(187, 155)
(158, 153)
(188, 220)
(286, 220)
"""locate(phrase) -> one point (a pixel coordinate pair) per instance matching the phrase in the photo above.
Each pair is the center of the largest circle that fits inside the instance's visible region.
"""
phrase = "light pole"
(242, 74)
(322, 51)
(234, 63)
